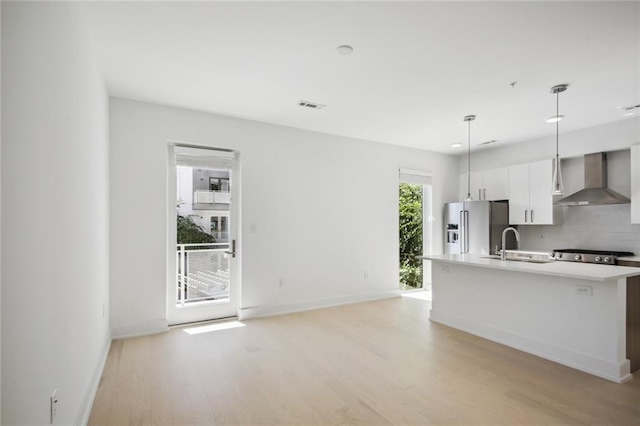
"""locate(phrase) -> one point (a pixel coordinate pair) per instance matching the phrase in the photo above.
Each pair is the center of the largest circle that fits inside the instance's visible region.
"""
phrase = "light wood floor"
(372, 363)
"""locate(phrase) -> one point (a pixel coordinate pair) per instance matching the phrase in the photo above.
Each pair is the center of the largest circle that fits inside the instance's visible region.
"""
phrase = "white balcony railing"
(203, 272)
(211, 197)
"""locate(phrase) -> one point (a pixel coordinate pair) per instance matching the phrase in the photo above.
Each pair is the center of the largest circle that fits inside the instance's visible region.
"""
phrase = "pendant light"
(558, 186)
(469, 119)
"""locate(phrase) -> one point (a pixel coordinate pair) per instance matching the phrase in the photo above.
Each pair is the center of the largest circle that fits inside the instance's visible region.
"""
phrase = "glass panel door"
(202, 255)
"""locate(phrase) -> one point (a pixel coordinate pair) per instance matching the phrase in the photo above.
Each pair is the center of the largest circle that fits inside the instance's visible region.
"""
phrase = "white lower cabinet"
(530, 199)
(635, 184)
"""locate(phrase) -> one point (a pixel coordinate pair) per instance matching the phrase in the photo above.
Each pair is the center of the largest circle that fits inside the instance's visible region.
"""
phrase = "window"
(219, 184)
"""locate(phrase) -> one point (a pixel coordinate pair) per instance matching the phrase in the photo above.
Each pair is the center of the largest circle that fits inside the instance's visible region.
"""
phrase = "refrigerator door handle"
(466, 230)
(462, 231)
(464, 234)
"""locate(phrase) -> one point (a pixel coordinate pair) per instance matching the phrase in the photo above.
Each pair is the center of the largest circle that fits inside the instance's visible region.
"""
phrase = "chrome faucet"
(503, 254)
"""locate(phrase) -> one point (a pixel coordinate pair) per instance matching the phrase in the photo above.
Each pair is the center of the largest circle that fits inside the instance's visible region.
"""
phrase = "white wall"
(590, 227)
(317, 210)
(54, 215)
(0, 209)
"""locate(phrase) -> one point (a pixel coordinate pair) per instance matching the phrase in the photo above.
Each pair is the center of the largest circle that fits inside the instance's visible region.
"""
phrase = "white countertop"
(630, 258)
(584, 271)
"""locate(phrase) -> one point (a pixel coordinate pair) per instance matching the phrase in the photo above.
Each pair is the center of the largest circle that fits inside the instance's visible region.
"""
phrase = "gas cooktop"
(607, 257)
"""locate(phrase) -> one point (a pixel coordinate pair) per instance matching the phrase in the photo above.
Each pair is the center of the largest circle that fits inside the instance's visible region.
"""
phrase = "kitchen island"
(570, 313)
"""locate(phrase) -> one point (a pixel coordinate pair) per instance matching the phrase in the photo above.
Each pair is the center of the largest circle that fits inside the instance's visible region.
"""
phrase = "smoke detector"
(344, 50)
(311, 105)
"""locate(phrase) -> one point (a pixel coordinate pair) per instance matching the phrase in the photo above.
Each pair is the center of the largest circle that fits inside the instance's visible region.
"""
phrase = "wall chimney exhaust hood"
(595, 190)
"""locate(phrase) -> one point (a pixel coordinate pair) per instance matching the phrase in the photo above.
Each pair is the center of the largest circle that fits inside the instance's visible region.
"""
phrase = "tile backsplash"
(586, 227)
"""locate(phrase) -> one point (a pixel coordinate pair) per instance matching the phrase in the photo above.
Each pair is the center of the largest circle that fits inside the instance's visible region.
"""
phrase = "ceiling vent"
(311, 105)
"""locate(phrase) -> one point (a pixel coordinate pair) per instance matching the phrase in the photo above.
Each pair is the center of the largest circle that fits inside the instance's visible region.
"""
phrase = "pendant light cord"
(469, 162)
(557, 122)
(556, 182)
(557, 186)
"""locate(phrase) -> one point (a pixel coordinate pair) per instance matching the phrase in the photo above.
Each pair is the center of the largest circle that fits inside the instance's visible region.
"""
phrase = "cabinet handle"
(479, 194)
(531, 215)
(484, 194)
(525, 215)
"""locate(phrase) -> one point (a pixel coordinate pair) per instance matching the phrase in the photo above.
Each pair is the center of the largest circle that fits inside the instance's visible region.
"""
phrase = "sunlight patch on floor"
(422, 294)
(213, 327)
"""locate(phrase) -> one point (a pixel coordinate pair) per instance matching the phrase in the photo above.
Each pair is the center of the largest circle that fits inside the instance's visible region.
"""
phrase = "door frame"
(425, 180)
(206, 310)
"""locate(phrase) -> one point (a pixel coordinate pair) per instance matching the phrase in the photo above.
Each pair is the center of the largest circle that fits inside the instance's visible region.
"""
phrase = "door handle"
(233, 249)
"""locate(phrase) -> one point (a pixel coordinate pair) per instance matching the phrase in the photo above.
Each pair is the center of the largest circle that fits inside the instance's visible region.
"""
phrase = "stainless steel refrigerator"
(476, 227)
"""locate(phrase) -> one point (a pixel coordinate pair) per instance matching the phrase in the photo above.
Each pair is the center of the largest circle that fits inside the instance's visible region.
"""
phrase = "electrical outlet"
(584, 290)
(54, 405)
(444, 269)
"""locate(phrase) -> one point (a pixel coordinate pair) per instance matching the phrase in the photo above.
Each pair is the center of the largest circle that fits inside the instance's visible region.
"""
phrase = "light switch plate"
(584, 290)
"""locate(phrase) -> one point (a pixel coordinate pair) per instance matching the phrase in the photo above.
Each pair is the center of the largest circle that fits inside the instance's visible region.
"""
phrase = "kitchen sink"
(523, 256)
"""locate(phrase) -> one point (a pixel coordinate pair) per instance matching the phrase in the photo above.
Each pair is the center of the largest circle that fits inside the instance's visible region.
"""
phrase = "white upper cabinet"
(635, 184)
(496, 184)
(540, 197)
(476, 185)
(487, 184)
(530, 199)
(519, 194)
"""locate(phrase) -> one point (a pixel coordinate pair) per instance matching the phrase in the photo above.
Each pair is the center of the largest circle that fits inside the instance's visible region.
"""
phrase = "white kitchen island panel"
(575, 320)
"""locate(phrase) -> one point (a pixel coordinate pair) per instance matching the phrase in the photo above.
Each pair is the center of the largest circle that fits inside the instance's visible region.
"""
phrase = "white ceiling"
(418, 67)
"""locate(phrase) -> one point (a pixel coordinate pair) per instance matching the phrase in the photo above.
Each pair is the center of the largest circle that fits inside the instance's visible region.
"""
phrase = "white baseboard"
(614, 371)
(82, 417)
(140, 329)
(286, 308)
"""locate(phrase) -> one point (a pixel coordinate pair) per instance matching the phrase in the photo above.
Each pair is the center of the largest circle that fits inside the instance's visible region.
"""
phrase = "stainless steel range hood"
(595, 190)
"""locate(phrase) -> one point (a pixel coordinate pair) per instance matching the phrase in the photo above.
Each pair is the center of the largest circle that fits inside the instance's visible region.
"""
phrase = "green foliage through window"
(190, 232)
(410, 236)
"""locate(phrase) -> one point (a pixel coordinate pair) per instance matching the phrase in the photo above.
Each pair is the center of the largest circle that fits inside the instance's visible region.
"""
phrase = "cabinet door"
(540, 198)
(496, 184)
(519, 194)
(635, 184)
(476, 186)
